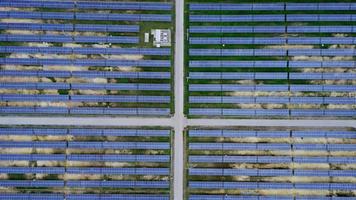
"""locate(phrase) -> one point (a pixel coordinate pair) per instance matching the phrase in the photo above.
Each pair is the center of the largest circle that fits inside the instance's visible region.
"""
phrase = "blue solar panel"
(119, 145)
(86, 62)
(117, 197)
(236, 6)
(119, 158)
(35, 196)
(239, 185)
(118, 184)
(40, 4)
(32, 170)
(238, 197)
(124, 5)
(30, 183)
(33, 157)
(144, 75)
(67, 50)
(16, 131)
(307, 112)
(38, 15)
(32, 144)
(239, 172)
(119, 171)
(120, 111)
(106, 28)
(118, 132)
(117, 98)
(236, 29)
(237, 40)
(236, 18)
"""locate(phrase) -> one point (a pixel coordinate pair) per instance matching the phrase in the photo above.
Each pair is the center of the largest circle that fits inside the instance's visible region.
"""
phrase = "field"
(270, 163)
(278, 60)
(73, 161)
(85, 59)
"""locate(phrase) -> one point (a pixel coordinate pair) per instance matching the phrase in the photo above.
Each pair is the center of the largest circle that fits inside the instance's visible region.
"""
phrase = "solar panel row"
(272, 64)
(69, 39)
(276, 87)
(76, 86)
(84, 145)
(269, 172)
(271, 99)
(236, 18)
(272, 18)
(70, 27)
(87, 184)
(118, 184)
(88, 5)
(272, 112)
(47, 196)
(238, 75)
(86, 157)
(86, 170)
(271, 146)
(244, 197)
(85, 132)
(272, 29)
(119, 145)
(85, 16)
(89, 50)
(271, 75)
(232, 6)
(85, 62)
(320, 17)
(85, 98)
(272, 6)
(117, 197)
(85, 111)
(86, 74)
(272, 40)
(270, 52)
(35, 196)
(120, 171)
(271, 159)
(272, 134)
(271, 185)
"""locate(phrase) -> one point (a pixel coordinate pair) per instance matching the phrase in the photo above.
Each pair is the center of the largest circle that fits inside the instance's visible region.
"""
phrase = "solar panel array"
(269, 163)
(271, 60)
(84, 58)
(71, 162)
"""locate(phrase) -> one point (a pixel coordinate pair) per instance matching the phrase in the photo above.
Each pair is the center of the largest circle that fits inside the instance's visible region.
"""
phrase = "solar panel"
(235, 18)
(119, 171)
(30, 183)
(236, 6)
(119, 145)
(32, 144)
(118, 184)
(32, 170)
(86, 62)
(33, 157)
(67, 50)
(236, 29)
(124, 5)
(117, 196)
(35, 196)
(119, 158)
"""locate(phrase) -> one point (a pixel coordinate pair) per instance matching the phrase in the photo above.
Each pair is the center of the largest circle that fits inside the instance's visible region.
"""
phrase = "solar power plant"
(84, 58)
(270, 163)
(61, 163)
(275, 60)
